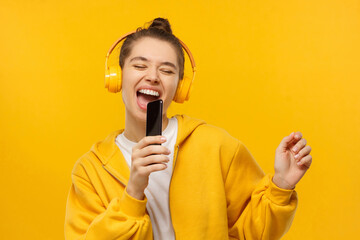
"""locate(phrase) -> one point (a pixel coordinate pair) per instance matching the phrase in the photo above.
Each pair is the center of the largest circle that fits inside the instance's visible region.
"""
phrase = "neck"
(135, 129)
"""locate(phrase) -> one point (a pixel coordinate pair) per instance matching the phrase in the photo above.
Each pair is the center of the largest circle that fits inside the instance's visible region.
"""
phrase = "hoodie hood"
(186, 125)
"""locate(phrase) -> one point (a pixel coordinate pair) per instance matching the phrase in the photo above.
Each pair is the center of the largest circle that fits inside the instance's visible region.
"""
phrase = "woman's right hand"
(146, 157)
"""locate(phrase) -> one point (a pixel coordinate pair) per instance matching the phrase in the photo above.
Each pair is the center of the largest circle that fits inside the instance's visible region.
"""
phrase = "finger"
(299, 145)
(303, 153)
(144, 171)
(298, 136)
(150, 150)
(305, 161)
(154, 159)
(139, 163)
(286, 141)
(149, 140)
(155, 167)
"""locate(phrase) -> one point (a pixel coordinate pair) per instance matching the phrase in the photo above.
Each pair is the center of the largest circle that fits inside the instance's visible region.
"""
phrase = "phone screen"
(154, 118)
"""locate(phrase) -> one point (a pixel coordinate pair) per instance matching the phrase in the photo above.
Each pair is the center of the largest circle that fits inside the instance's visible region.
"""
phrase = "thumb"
(286, 141)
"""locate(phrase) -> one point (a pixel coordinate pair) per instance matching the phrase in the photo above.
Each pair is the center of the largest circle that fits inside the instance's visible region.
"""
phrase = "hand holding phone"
(141, 159)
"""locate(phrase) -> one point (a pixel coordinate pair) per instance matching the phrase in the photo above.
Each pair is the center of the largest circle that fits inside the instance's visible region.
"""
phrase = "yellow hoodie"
(217, 191)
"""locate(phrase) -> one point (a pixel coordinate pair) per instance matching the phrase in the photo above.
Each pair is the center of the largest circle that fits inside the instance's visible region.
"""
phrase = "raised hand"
(292, 160)
(146, 158)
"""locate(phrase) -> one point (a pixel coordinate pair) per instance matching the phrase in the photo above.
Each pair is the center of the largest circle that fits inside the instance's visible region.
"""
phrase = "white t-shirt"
(157, 191)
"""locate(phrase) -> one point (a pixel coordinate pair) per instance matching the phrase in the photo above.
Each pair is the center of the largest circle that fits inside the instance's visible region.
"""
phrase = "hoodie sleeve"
(88, 218)
(257, 208)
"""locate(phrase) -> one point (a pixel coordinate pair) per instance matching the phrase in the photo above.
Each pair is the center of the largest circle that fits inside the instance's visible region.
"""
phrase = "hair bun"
(162, 24)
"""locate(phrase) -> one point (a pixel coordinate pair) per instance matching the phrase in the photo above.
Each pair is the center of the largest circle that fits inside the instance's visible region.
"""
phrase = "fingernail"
(163, 138)
(296, 156)
(294, 149)
(298, 163)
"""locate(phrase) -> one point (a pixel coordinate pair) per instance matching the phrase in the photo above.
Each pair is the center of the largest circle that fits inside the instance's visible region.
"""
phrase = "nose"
(152, 75)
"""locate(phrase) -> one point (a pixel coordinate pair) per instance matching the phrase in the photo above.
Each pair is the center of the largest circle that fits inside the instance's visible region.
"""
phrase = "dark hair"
(159, 29)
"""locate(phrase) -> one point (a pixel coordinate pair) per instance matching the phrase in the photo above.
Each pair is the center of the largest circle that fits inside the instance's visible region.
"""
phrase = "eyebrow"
(147, 60)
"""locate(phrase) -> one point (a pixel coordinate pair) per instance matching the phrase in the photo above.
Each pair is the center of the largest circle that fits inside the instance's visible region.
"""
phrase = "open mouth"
(144, 96)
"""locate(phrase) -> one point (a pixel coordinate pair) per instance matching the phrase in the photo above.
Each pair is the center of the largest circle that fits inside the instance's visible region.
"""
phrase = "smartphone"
(154, 118)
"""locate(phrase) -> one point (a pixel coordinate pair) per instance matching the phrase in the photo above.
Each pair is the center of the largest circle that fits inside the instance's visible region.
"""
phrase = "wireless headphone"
(113, 75)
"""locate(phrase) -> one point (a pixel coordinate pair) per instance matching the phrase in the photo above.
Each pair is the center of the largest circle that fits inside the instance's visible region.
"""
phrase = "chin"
(140, 116)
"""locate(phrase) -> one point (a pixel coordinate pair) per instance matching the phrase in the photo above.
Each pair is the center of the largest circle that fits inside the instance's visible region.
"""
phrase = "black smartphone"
(154, 118)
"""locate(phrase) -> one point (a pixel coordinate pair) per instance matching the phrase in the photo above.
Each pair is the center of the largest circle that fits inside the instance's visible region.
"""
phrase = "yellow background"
(265, 69)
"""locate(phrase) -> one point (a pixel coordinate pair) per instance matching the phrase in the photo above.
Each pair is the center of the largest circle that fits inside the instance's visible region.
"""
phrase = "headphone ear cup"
(189, 90)
(178, 90)
(183, 90)
(113, 79)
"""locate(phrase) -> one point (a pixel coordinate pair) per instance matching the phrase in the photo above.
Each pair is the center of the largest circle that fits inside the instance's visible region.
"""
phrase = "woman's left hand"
(292, 160)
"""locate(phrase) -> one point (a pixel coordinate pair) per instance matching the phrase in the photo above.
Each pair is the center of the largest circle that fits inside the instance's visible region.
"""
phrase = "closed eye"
(167, 71)
(140, 67)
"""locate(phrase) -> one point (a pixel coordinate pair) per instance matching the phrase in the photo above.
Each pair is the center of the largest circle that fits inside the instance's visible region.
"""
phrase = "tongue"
(144, 99)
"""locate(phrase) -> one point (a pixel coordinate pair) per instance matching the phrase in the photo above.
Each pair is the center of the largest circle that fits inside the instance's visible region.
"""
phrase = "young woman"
(200, 183)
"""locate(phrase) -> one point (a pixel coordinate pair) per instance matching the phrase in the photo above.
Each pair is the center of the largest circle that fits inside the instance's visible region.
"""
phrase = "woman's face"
(150, 72)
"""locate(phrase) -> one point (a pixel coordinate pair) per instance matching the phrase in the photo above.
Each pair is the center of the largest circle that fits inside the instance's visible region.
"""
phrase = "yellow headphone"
(113, 74)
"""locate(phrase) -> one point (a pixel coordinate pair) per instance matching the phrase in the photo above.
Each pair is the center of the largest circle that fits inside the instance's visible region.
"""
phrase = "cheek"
(172, 92)
(174, 85)
(126, 86)
(128, 79)
(125, 78)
